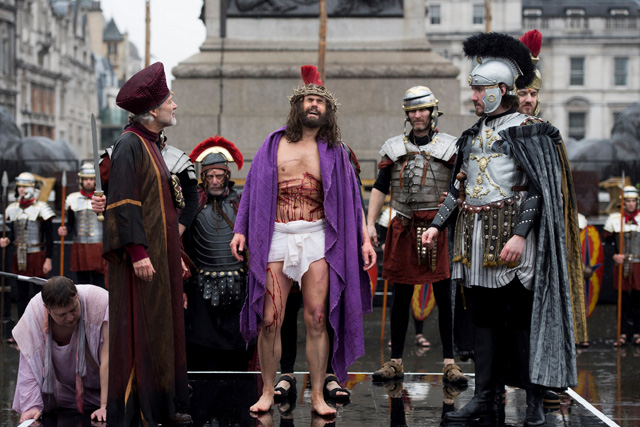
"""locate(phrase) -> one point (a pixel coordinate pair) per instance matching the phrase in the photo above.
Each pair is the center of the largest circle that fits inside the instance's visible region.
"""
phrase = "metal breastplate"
(211, 238)
(632, 244)
(28, 234)
(87, 227)
(221, 277)
(27, 224)
(417, 181)
(492, 171)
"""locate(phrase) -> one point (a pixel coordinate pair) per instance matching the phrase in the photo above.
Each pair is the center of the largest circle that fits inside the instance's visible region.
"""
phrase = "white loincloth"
(298, 244)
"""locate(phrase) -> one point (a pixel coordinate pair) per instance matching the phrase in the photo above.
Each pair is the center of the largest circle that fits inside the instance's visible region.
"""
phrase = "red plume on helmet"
(533, 40)
(310, 75)
(211, 143)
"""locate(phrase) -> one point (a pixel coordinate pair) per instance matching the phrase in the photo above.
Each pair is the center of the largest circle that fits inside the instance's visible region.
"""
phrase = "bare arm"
(100, 414)
(368, 253)
(376, 200)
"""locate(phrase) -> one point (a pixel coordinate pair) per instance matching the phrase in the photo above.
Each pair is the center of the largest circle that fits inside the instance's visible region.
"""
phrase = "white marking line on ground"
(575, 396)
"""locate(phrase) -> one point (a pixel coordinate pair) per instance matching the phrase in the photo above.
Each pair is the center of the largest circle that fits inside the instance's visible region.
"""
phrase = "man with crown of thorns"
(301, 219)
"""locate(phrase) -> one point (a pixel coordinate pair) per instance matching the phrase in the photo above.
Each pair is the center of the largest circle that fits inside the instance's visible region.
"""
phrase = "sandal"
(452, 374)
(421, 341)
(389, 371)
(621, 341)
(333, 393)
(284, 392)
(636, 339)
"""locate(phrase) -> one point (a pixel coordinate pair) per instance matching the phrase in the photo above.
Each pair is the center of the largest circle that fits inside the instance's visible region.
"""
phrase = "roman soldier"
(82, 223)
(32, 235)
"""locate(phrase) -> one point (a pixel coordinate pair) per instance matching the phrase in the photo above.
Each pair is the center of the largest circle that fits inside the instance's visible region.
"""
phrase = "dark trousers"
(506, 311)
(400, 312)
(630, 313)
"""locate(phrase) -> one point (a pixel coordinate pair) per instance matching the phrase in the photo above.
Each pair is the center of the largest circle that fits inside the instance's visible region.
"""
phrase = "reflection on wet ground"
(608, 379)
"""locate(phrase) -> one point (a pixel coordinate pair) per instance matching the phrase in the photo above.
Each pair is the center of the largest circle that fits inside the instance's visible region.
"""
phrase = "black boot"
(483, 403)
(535, 411)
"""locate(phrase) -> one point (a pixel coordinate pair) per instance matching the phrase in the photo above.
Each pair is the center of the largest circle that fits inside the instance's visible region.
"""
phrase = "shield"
(422, 301)
(593, 261)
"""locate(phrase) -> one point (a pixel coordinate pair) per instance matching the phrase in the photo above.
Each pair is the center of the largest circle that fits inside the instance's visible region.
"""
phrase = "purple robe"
(349, 288)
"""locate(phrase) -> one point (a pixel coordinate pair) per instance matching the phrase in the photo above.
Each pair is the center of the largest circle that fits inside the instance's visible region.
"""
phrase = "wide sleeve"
(123, 223)
(28, 392)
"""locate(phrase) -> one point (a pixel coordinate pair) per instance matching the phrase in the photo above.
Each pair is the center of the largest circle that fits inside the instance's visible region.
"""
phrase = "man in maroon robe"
(147, 372)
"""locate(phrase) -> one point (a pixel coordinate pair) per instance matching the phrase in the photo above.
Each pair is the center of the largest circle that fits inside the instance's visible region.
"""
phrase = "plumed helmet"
(501, 59)
(25, 179)
(87, 171)
(630, 192)
(533, 41)
(216, 152)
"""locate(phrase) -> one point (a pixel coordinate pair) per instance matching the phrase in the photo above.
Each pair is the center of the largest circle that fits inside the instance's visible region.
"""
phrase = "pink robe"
(31, 338)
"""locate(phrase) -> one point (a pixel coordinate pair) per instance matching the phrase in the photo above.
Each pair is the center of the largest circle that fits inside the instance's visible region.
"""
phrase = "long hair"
(329, 129)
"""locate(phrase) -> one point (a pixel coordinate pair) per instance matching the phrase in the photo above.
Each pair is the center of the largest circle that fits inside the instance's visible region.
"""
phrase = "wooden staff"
(620, 245)
(64, 197)
(5, 184)
(322, 42)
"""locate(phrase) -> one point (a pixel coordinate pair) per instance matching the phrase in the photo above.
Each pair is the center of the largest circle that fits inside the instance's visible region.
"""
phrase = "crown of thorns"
(312, 85)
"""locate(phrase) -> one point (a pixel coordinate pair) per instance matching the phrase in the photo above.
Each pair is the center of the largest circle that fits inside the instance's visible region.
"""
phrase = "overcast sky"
(176, 30)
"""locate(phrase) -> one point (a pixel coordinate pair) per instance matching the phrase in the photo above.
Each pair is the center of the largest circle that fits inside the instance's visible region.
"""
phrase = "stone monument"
(239, 83)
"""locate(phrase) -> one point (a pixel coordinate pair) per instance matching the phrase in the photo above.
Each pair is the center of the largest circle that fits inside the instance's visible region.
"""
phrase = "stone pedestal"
(238, 86)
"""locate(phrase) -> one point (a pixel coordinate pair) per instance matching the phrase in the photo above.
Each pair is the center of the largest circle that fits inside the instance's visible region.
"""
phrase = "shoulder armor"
(45, 210)
(177, 161)
(394, 148)
(443, 146)
(106, 153)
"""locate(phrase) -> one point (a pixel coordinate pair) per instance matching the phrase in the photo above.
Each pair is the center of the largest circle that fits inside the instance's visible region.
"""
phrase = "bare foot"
(263, 404)
(264, 419)
(319, 406)
(319, 421)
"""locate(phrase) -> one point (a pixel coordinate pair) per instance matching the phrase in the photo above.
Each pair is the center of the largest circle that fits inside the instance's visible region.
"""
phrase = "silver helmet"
(419, 97)
(501, 59)
(87, 171)
(25, 179)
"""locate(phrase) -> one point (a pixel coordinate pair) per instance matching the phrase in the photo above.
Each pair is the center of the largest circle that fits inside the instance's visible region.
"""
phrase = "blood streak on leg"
(276, 297)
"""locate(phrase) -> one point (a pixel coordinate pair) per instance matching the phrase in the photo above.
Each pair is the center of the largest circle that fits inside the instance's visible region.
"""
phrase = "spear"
(322, 42)
(620, 245)
(5, 184)
(64, 209)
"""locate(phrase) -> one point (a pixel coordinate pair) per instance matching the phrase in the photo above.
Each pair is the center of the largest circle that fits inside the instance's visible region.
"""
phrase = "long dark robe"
(147, 359)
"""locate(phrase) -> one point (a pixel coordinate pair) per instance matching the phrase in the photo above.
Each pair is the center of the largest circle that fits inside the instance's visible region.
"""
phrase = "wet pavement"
(609, 380)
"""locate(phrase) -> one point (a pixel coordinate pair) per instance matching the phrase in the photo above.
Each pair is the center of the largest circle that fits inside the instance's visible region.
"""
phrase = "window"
(577, 72)
(577, 125)
(620, 66)
(434, 14)
(478, 13)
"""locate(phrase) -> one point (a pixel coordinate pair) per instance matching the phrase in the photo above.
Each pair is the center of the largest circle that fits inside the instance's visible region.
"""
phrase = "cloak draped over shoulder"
(540, 151)
(349, 289)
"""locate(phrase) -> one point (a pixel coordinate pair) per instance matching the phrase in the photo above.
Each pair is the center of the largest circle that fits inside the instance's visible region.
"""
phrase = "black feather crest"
(500, 45)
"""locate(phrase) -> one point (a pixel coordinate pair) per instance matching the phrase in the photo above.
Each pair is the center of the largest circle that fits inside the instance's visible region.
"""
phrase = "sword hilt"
(99, 194)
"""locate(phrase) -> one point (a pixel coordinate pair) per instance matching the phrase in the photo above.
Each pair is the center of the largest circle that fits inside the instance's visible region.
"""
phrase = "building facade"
(590, 57)
(55, 75)
(8, 93)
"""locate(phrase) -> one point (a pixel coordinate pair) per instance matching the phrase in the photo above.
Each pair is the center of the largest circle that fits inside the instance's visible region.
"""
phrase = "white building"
(590, 57)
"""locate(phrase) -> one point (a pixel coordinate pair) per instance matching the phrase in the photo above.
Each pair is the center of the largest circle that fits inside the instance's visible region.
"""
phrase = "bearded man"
(301, 219)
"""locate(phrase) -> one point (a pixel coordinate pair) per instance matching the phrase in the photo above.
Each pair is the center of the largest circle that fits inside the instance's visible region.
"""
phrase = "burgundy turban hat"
(146, 90)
